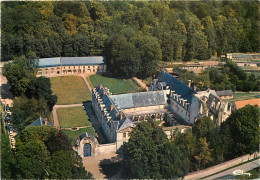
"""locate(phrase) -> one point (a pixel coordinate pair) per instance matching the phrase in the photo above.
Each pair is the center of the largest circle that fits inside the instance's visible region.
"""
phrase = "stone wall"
(105, 149)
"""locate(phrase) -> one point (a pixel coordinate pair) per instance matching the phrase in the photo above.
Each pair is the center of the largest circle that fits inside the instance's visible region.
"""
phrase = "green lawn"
(116, 86)
(73, 135)
(239, 96)
(73, 117)
(70, 89)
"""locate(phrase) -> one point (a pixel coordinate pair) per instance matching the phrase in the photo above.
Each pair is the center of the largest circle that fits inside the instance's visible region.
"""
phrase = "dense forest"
(149, 31)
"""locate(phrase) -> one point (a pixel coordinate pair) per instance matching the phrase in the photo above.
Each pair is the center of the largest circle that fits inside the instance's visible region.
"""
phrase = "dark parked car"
(7, 107)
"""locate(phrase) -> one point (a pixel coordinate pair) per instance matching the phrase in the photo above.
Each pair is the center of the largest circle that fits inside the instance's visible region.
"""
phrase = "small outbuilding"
(226, 94)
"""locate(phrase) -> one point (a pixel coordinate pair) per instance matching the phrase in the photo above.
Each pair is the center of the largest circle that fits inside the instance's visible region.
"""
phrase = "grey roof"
(114, 113)
(49, 62)
(84, 135)
(176, 85)
(95, 60)
(225, 93)
(71, 61)
(39, 122)
(244, 56)
(140, 99)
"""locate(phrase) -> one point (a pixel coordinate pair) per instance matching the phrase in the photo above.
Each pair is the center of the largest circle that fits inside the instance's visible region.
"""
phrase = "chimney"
(45, 121)
(104, 92)
(100, 86)
(111, 107)
(189, 83)
(121, 115)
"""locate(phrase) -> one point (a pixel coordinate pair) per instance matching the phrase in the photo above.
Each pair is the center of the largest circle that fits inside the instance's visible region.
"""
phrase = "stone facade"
(188, 105)
(167, 99)
(71, 65)
(83, 69)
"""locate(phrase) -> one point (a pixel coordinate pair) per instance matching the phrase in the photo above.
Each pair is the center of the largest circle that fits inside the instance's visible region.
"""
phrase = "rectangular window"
(88, 66)
(124, 135)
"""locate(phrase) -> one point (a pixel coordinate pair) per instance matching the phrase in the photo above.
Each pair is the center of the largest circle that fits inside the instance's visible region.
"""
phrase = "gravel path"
(141, 83)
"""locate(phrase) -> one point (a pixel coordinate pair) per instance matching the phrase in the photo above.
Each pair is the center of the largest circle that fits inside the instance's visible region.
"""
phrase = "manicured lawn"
(73, 135)
(115, 86)
(70, 89)
(239, 96)
(73, 117)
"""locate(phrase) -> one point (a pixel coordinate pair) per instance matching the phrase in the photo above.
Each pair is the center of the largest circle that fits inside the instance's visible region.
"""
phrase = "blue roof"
(114, 113)
(176, 85)
(49, 62)
(96, 60)
(71, 61)
(39, 122)
(140, 99)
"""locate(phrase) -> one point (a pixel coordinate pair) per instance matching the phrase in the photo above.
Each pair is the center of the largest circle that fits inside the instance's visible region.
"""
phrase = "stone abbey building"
(167, 98)
(71, 65)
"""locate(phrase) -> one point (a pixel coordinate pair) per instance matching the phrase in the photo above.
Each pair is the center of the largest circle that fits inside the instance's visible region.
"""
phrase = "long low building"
(71, 65)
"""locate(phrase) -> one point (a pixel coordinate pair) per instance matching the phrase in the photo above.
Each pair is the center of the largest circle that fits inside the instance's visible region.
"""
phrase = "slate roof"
(225, 93)
(71, 61)
(95, 60)
(140, 99)
(176, 85)
(115, 112)
(49, 62)
(39, 122)
(243, 56)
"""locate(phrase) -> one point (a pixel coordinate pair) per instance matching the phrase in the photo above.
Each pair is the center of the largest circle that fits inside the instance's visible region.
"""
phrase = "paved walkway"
(228, 174)
(91, 164)
(87, 83)
(141, 83)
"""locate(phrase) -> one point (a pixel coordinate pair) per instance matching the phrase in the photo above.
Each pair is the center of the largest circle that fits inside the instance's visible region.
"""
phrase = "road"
(228, 174)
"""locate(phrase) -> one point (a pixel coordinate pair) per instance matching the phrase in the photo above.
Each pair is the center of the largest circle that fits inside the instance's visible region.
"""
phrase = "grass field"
(73, 117)
(239, 96)
(73, 135)
(70, 89)
(116, 86)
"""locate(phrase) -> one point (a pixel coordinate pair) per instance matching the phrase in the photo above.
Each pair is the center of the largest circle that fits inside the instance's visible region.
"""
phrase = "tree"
(202, 126)
(124, 58)
(244, 131)
(141, 152)
(204, 154)
(39, 157)
(150, 54)
(40, 87)
(173, 162)
(20, 71)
